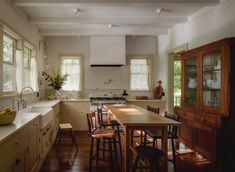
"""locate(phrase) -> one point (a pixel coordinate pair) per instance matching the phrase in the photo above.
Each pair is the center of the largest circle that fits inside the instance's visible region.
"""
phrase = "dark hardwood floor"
(67, 159)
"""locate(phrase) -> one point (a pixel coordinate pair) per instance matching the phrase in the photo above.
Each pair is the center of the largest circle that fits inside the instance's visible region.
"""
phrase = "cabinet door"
(186, 132)
(33, 153)
(20, 162)
(205, 141)
(212, 94)
(190, 81)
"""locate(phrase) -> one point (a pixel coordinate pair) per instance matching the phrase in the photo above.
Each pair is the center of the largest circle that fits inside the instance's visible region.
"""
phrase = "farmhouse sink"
(46, 114)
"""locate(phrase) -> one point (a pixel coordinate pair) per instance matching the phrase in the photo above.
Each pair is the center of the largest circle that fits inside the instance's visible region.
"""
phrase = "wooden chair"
(172, 135)
(64, 129)
(99, 134)
(109, 123)
(150, 154)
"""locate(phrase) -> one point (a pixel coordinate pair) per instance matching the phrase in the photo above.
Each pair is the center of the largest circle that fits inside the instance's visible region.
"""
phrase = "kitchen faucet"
(21, 100)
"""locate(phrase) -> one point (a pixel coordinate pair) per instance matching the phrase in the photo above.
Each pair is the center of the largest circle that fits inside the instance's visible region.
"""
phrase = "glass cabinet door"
(212, 79)
(191, 81)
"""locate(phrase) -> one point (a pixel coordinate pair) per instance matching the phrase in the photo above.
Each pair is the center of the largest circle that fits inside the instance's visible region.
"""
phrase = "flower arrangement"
(55, 80)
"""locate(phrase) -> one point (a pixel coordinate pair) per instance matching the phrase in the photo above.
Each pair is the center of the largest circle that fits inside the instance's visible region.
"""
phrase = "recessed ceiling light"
(76, 11)
(159, 11)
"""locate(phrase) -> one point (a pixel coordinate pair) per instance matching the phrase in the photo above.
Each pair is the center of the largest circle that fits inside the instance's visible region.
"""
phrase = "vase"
(57, 94)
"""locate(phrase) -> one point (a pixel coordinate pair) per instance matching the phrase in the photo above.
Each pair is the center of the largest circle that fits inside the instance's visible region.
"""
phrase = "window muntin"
(27, 54)
(8, 63)
(140, 74)
(72, 66)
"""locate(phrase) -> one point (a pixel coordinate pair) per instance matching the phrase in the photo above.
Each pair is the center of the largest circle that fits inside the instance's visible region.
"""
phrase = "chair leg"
(119, 141)
(97, 152)
(91, 154)
(157, 166)
(111, 154)
(141, 137)
(145, 139)
(103, 148)
(154, 140)
(136, 163)
(73, 139)
(58, 143)
(173, 154)
(132, 136)
(151, 165)
(116, 154)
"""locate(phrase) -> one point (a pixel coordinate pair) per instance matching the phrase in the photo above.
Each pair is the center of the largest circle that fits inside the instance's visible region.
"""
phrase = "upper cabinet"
(205, 80)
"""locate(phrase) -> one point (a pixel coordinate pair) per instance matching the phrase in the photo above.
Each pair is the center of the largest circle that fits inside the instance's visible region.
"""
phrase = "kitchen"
(199, 24)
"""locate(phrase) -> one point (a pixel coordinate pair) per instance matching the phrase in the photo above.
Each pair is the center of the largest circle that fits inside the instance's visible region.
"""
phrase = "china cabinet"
(207, 111)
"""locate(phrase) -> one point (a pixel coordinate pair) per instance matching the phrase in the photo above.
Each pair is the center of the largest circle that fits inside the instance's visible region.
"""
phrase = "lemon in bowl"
(7, 116)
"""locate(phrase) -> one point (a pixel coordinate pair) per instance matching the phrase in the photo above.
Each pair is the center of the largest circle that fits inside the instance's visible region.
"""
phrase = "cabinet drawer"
(186, 115)
(206, 120)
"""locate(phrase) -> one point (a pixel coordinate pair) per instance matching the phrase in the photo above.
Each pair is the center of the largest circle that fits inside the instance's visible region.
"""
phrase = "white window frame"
(9, 63)
(18, 46)
(149, 58)
(76, 56)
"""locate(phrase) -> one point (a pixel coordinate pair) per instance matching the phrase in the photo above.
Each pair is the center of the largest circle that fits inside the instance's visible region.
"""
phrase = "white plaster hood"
(108, 51)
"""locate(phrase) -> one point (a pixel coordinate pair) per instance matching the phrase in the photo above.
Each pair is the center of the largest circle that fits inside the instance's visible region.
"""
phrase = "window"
(140, 73)
(8, 63)
(27, 65)
(72, 66)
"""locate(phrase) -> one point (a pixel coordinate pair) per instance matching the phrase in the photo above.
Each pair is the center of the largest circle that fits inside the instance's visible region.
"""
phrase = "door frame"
(170, 78)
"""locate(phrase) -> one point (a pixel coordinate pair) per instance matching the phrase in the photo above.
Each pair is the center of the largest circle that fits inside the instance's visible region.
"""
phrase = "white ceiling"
(128, 17)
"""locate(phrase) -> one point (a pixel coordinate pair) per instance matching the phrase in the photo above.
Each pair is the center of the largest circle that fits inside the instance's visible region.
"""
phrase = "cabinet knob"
(184, 114)
(16, 143)
(203, 120)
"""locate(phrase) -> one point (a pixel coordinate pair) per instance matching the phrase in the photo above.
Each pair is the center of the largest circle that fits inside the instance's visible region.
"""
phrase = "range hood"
(108, 51)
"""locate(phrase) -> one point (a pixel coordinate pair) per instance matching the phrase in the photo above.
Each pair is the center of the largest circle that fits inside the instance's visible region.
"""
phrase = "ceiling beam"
(113, 2)
(114, 31)
(107, 20)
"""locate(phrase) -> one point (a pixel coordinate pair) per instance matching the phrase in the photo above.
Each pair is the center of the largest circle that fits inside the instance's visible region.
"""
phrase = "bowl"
(7, 117)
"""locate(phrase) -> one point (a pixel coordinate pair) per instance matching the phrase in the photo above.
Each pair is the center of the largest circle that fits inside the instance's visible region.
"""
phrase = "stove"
(105, 99)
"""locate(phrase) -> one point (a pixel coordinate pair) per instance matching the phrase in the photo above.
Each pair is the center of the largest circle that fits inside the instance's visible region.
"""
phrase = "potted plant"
(56, 80)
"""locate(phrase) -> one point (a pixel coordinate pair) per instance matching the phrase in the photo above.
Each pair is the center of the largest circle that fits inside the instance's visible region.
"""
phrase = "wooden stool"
(148, 153)
(65, 129)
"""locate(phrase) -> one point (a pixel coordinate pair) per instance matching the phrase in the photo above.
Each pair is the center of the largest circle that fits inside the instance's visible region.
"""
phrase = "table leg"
(127, 150)
(165, 148)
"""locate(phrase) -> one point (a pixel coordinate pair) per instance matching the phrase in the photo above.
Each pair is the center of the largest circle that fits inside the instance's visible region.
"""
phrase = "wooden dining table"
(133, 117)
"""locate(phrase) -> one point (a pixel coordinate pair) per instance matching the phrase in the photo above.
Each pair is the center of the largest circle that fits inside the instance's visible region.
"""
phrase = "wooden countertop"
(131, 115)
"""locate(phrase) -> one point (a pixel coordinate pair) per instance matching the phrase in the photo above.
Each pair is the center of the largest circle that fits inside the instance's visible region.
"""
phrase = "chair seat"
(103, 133)
(149, 152)
(65, 126)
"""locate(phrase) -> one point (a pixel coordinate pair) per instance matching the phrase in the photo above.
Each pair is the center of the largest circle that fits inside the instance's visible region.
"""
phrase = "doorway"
(174, 77)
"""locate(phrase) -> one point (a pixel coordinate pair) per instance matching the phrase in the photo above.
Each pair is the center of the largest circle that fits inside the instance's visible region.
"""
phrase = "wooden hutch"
(207, 112)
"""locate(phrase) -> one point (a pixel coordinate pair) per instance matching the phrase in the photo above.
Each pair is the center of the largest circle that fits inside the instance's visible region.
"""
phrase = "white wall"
(14, 19)
(94, 77)
(205, 26)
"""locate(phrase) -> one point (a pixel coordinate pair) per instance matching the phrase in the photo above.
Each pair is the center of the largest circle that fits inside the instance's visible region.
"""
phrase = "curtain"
(34, 74)
(19, 71)
(139, 71)
(72, 67)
